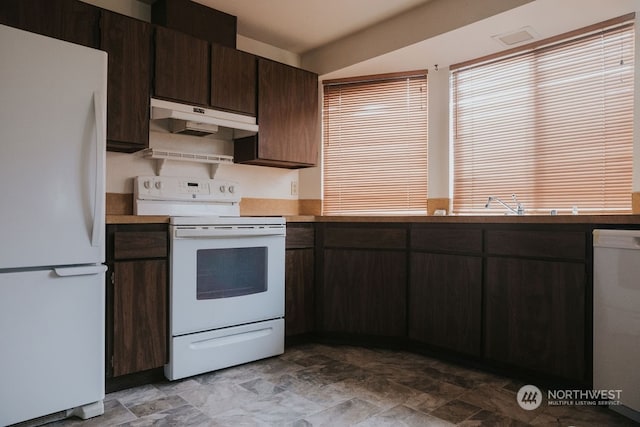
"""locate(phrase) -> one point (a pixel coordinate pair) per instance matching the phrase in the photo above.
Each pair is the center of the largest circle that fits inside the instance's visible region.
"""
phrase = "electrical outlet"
(294, 188)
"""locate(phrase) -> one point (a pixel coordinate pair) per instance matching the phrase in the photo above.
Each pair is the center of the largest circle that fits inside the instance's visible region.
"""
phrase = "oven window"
(231, 272)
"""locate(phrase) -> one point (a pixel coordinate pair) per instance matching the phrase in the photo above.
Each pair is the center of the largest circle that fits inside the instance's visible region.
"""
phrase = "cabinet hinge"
(113, 278)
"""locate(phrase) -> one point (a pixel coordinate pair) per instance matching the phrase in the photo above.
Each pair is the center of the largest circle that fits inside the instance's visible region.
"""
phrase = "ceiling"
(342, 38)
(301, 25)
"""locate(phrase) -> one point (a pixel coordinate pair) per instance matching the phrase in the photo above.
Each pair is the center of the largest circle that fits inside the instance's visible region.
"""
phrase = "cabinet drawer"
(543, 244)
(300, 237)
(374, 238)
(139, 244)
(447, 240)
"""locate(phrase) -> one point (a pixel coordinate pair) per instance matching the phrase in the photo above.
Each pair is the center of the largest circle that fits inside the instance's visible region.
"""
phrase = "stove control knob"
(231, 189)
(158, 185)
(147, 184)
(223, 189)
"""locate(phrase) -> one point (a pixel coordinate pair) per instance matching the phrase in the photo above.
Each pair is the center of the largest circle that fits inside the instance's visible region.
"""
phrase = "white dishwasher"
(616, 316)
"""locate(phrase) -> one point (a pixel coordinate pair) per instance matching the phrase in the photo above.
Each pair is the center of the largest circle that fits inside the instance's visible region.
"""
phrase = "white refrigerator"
(52, 196)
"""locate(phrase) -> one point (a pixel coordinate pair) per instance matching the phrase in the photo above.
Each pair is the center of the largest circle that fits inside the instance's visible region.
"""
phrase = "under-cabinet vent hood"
(199, 121)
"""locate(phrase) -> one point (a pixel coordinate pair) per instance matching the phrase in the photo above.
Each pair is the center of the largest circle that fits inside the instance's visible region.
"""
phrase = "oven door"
(225, 276)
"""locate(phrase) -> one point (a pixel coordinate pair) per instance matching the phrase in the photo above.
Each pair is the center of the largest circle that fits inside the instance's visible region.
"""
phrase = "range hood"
(199, 121)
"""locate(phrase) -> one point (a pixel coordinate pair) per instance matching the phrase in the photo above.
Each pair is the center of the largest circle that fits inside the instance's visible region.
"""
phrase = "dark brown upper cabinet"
(233, 80)
(181, 68)
(288, 118)
(68, 20)
(197, 20)
(127, 41)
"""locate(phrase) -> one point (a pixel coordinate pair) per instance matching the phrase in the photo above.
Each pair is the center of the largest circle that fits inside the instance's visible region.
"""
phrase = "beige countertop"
(481, 219)
(137, 219)
(484, 219)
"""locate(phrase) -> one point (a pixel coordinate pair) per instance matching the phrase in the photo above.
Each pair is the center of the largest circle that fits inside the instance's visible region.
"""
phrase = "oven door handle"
(195, 233)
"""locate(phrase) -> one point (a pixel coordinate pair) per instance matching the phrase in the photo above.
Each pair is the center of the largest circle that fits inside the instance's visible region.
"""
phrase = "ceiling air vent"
(513, 38)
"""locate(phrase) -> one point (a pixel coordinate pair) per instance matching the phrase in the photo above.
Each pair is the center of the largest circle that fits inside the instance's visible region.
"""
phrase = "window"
(553, 125)
(375, 145)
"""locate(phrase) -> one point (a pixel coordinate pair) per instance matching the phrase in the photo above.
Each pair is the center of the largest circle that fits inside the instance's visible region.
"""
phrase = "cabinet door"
(288, 119)
(196, 20)
(288, 113)
(299, 298)
(128, 43)
(182, 67)
(364, 292)
(69, 20)
(445, 300)
(535, 315)
(139, 316)
(233, 80)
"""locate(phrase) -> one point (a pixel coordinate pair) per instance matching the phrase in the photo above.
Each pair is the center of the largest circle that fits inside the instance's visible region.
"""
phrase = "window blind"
(375, 146)
(553, 125)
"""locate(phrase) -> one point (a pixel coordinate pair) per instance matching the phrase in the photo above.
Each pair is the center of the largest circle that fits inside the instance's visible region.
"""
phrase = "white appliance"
(52, 159)
(226, 274)
(199, 121)
(616, 316)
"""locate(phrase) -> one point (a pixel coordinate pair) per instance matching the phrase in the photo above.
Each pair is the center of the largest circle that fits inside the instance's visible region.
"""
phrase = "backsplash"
(255, 181)
(122, 204)
(269, 188)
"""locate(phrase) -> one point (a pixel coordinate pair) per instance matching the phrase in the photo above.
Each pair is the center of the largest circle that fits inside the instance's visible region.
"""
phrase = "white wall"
(132, 8)
(636, 110)
(438, 166)
(266, 50)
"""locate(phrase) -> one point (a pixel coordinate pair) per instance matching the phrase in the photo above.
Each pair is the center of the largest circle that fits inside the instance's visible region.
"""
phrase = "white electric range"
(226, 274)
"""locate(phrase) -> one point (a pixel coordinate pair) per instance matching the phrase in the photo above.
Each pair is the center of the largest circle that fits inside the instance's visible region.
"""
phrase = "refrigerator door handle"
(98, 206)
(80, 271)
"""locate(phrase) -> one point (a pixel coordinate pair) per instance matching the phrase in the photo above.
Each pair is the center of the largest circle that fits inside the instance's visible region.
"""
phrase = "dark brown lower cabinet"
(445, 299)
(364, 292)
(534, 315)
(139, 316)
(137, 302)
(299, 279)
(299, 298)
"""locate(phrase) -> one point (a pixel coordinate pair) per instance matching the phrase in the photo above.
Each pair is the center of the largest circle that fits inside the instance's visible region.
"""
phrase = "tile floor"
(321, 385)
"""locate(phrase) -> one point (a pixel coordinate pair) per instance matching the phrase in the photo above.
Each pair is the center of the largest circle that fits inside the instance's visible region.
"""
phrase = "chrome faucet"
(519, 210)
